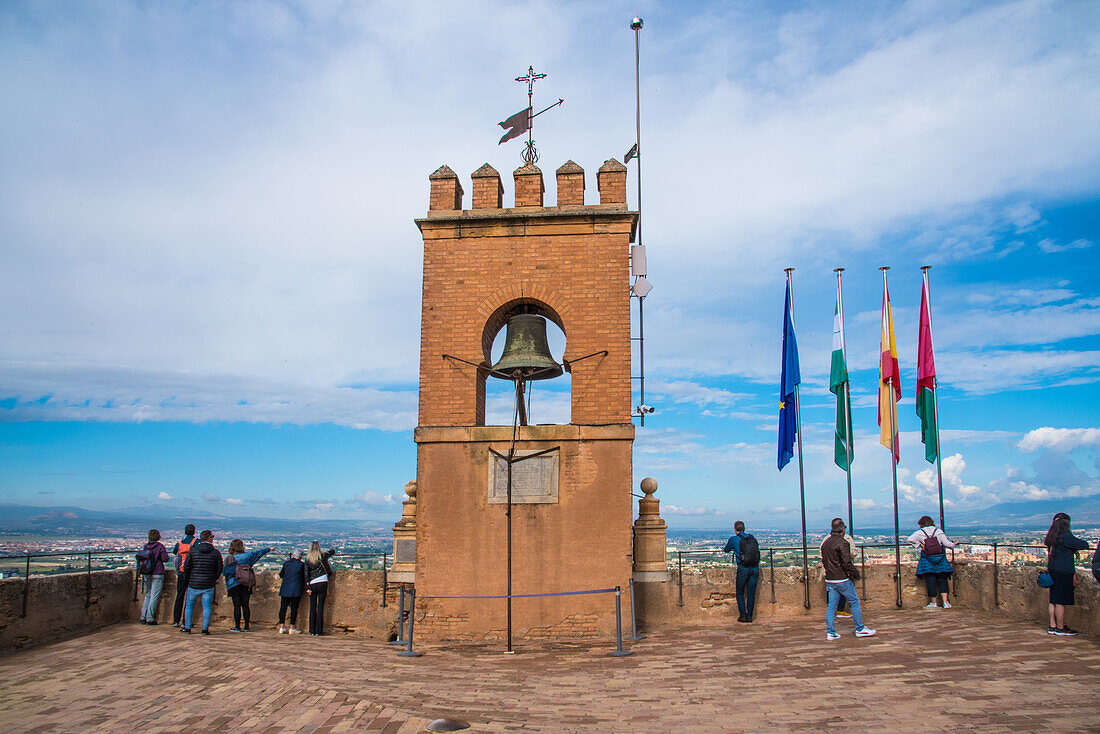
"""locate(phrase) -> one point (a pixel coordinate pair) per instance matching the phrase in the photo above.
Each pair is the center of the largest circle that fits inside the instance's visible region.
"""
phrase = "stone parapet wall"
(709, 595)
(56, 604)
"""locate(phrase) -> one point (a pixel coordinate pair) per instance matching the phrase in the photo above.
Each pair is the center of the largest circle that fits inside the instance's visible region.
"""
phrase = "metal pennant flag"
(519, 124)
(632, 153)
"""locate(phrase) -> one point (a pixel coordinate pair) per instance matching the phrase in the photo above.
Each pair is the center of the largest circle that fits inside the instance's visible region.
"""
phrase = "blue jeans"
(207, 596)
(153, 586)
(747, 578)
(846, 589)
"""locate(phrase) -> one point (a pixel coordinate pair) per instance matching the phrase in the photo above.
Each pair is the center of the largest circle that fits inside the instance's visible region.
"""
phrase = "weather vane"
(523, 121)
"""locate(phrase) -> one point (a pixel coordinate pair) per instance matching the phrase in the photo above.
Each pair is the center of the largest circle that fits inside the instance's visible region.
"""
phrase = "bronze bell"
(526, 350)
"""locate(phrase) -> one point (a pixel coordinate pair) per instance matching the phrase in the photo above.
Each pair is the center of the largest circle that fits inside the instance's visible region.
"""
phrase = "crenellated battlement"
(528, 187)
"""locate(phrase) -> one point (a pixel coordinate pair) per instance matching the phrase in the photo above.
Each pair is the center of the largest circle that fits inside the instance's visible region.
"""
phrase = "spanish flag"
(889, 378)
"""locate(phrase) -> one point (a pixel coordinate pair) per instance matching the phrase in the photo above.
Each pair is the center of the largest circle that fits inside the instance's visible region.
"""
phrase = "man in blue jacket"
(202, 567)
(747, 552)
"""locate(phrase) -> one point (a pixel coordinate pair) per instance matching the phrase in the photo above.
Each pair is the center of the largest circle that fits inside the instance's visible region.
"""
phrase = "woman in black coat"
(1062, 549)
(293, 574)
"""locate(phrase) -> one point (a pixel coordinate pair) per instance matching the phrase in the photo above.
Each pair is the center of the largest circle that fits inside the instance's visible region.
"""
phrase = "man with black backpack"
(747, 552)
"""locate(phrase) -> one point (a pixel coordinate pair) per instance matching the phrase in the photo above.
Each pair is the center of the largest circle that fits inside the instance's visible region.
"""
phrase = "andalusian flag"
(889, 379)
(838, 377)
(926, 378)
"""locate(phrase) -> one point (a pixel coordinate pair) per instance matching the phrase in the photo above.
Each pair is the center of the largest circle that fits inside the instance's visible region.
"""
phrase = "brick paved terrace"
(944, 670)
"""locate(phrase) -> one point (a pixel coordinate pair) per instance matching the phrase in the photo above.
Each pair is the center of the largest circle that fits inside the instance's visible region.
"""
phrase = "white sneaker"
(865, 632)
(947, 605)
(932, 605)
(832, 636)
(282, 630)
(295, 631)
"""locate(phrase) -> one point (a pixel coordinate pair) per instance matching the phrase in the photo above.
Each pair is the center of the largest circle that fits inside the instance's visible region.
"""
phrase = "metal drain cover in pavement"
(447, 725)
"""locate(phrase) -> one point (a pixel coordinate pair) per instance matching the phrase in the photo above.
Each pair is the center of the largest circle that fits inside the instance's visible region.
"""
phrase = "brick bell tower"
(572, 509)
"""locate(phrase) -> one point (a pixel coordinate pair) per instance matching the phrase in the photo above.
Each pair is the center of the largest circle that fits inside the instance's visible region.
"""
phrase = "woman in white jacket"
(934, 567)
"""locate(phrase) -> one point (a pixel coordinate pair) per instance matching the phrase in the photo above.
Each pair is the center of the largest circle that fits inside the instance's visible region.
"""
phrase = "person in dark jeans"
(748, 572)
(318, 572)
(180, 551)
(293, 574)
(202, 567)
(239, 592)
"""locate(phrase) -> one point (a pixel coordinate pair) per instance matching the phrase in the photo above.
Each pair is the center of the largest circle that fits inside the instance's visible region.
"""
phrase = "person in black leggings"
(318, 574)
(238, 592)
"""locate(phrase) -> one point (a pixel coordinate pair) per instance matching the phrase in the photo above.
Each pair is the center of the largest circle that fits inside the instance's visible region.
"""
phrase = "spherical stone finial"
(649, 486)
(410, 488)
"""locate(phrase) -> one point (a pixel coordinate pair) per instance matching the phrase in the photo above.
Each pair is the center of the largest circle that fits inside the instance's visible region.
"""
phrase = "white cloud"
(233, 501)
(209, 497)
(373, 498)
(952, 468)
(164, 496)
(677, 510)
(1059, 439)
(1049, 245)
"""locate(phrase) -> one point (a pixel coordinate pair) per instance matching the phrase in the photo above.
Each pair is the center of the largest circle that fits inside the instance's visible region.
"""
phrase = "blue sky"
(210, 281)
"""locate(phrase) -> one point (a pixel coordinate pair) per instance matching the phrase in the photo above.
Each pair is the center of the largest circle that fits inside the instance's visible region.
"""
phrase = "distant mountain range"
(78, 521)
(63, 521)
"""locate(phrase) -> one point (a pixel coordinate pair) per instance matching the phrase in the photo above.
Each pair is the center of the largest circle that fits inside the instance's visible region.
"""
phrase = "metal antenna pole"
(893, 462)
(847, 402)
(935, 401)
(801, 475)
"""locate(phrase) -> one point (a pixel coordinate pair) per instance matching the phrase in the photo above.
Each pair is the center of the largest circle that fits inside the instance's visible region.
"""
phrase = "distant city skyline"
(210, 276)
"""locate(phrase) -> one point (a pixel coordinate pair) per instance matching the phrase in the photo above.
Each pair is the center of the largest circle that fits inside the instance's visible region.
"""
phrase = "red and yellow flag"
(889, 379)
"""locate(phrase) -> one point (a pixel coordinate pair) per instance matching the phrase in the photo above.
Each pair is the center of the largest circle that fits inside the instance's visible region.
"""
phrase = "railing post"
(88, 583)
(634, 616)
(897, 571)
(996, 595)
(26, 585)
(771, 569)
(385, 581)
(619, 652)
(409, 652)
(680, 569)
(400, 619)
(863, 570)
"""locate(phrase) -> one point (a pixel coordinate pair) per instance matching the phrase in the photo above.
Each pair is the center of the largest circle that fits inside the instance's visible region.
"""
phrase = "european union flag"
(789, 379)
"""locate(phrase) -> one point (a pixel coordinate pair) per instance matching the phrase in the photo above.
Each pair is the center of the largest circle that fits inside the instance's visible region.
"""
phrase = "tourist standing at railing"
(240, 581)
(180, 551)
(933, 566)
(152, 574)
(318, 573)
(293, 574)
(841, 611)
(203, 566)
(840, 575)
(1062, 547)
(1096, 563)
(747, 552)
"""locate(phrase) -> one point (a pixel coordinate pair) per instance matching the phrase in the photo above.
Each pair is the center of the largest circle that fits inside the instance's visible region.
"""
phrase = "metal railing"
(86, 557)
(814, 554)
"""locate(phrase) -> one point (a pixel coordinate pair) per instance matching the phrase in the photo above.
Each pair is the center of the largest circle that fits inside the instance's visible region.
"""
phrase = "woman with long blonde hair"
(318, 574)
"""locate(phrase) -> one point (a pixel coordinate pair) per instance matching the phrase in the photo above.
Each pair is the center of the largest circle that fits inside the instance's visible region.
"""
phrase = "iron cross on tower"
(530, 153)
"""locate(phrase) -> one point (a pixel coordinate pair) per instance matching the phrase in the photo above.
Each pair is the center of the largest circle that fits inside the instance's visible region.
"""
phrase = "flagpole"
(801, 477)
(636, 26)
(847, 403)
(935, 401)
(893, 461)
